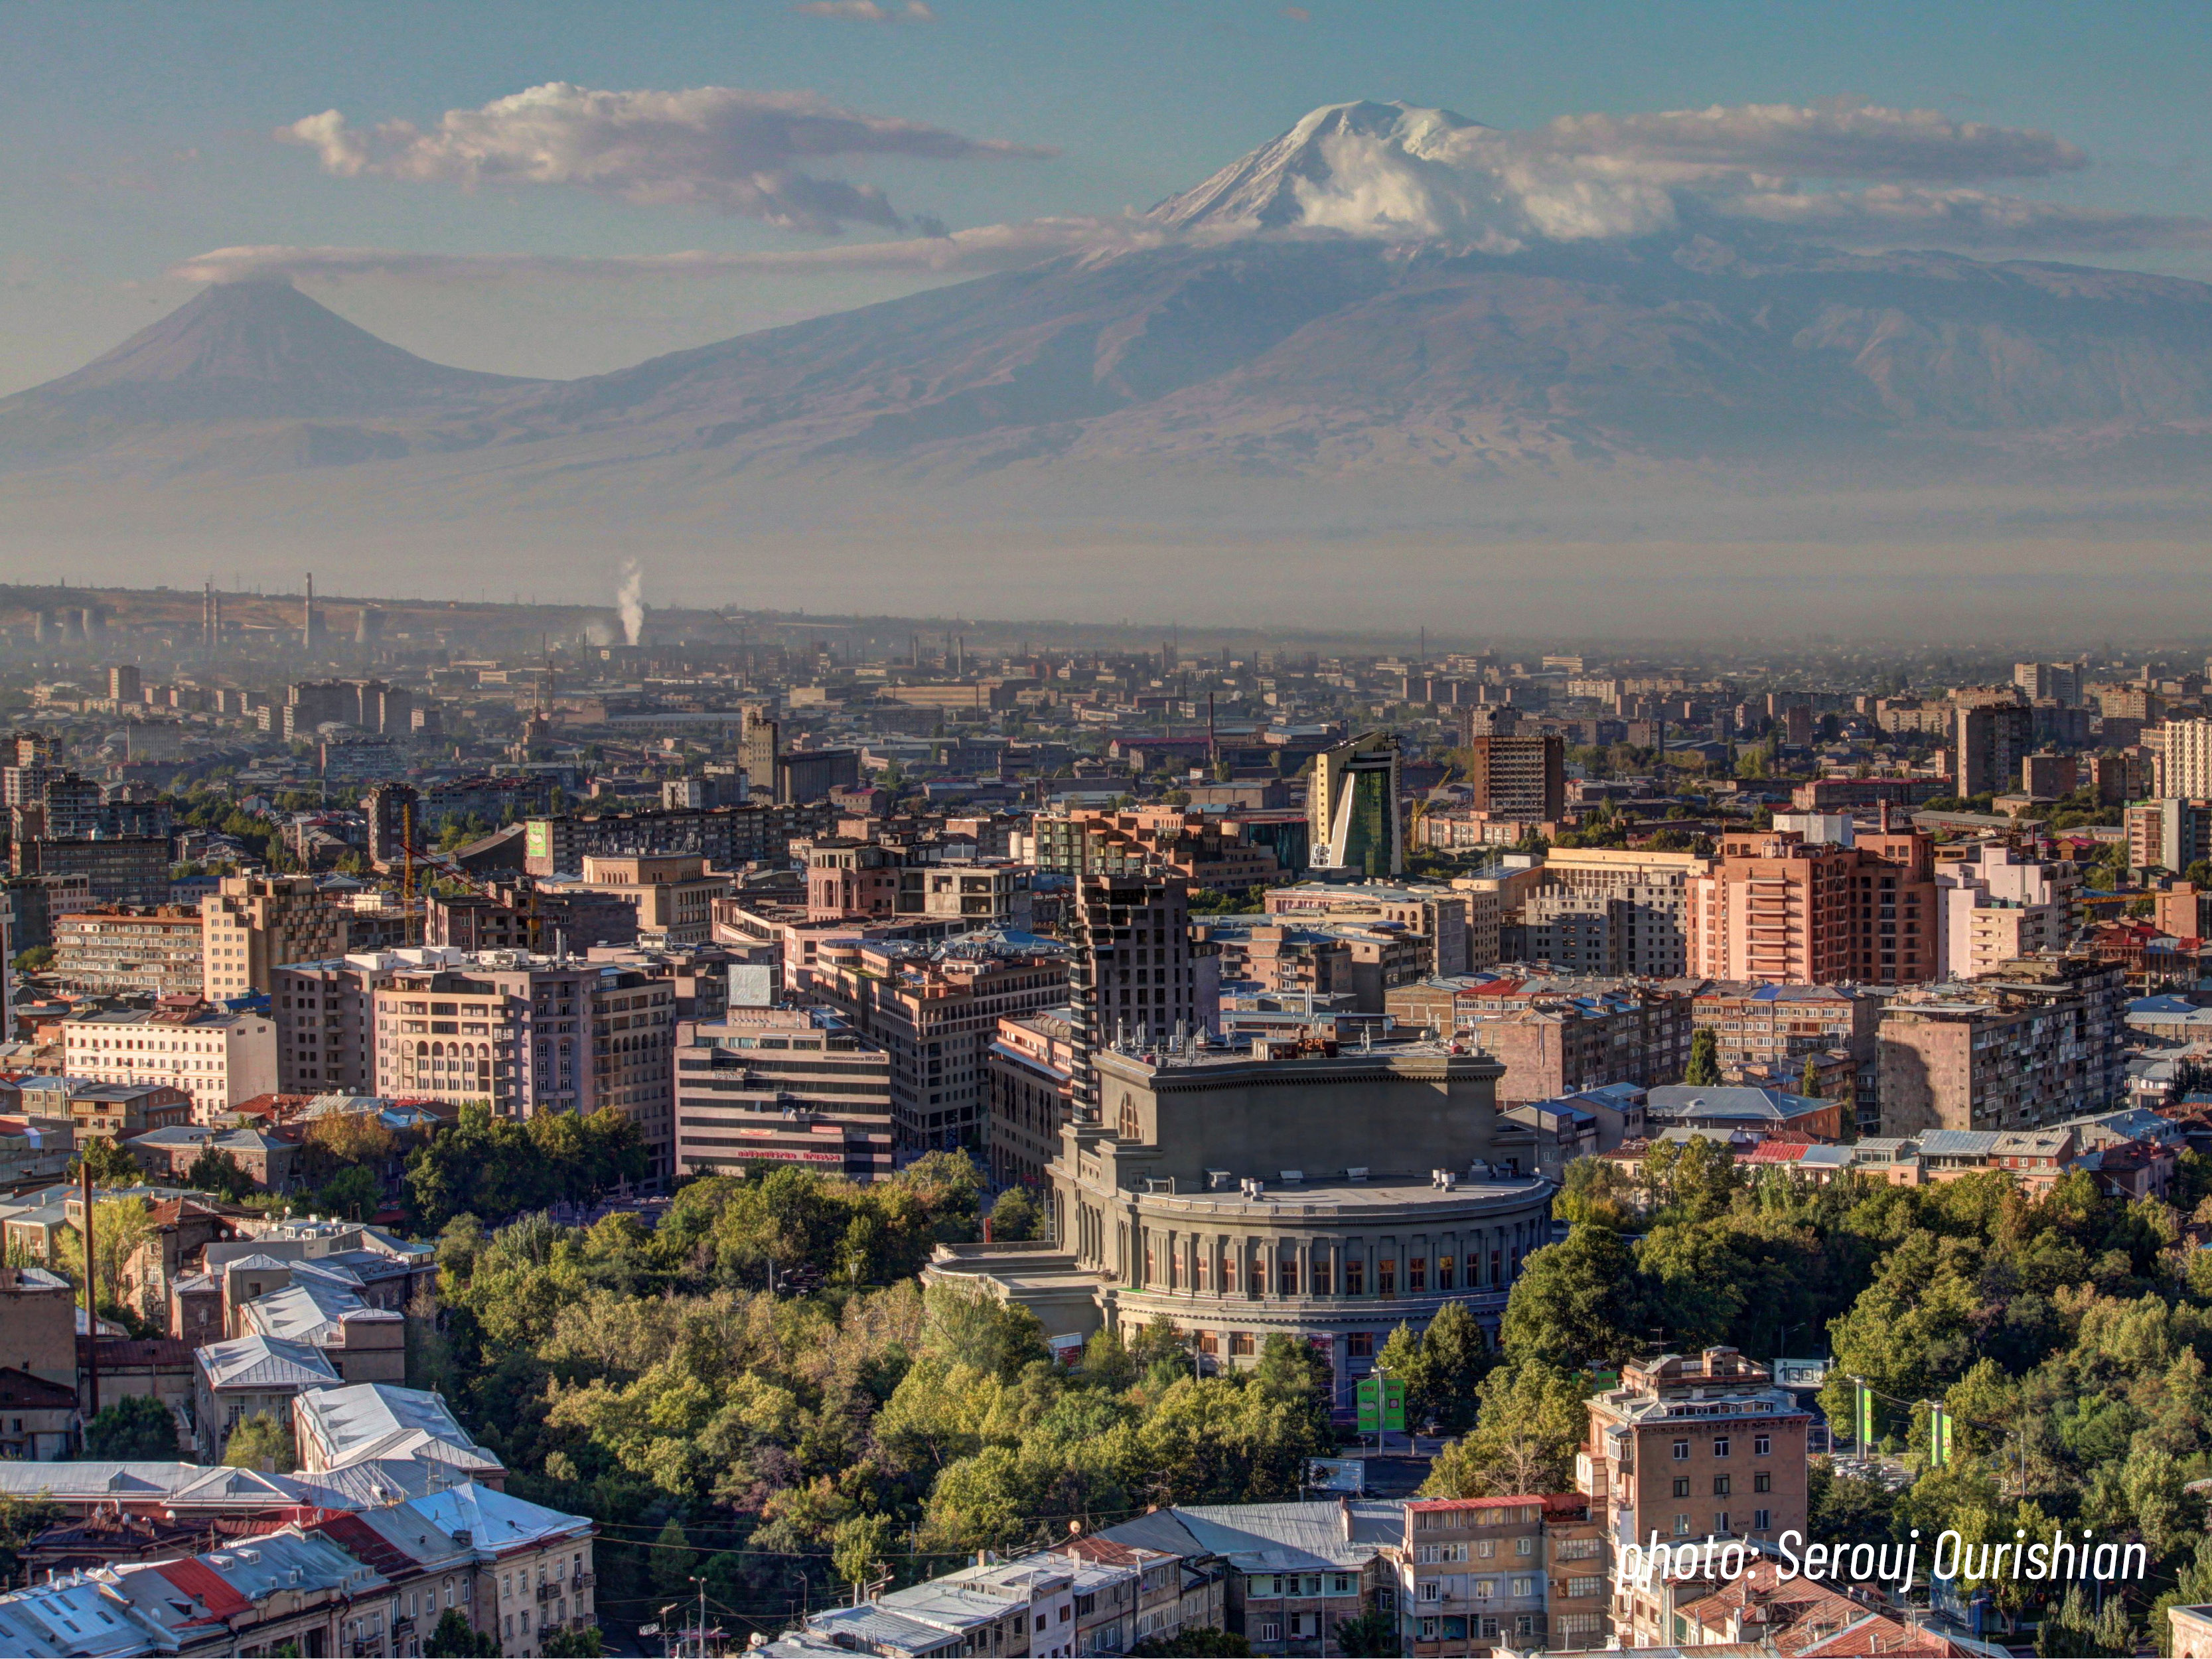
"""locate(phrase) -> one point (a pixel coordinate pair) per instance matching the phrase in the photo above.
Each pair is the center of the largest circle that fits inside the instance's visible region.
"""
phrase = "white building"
(220, 1059)
(2000, 909)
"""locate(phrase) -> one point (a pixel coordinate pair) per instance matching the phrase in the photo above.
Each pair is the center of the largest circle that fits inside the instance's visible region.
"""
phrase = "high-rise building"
(934, 1010)
(325, 1014)
(515, 1032)
(2053, 682)
(257, 923)
(1352, 805)
(1132, 976)
(2185, 759)
(761, 1087)
(2035, 1042)
(1987, 746)
(2171, 833)
(390, 808)
(124, 685)
(1521, 778)
(2000, 906)
(219, 1059)
(155, 952)
(1787, 910)
(1635, 906)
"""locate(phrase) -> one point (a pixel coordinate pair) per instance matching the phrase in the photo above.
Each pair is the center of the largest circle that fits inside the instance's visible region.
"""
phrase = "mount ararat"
(1247, 366)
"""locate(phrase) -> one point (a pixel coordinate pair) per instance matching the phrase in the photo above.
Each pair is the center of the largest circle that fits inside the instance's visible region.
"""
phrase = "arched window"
(1128, 1130)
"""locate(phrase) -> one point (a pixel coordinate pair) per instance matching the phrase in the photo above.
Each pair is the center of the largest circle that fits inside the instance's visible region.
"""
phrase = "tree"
(1704, 1071)
(1598, 1190)
(585, 1643)
(119, 1227)
(1809, 1082)
(22, 1519)
(136, 1429)
(217, 1171)
(1017, 1216)
(1576, 1304)
(859, 1546)
(1368, 1633)
(454, 1638)
(1531, 1420)
(36, 960)
(674, 1560)
(336, 1140)
(260, 1439)
(110, 1164)
(1203, 1642)
(351, 1195)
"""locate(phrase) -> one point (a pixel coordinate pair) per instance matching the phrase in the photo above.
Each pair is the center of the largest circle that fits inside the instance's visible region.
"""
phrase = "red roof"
(362, 1541)
(205, 1586)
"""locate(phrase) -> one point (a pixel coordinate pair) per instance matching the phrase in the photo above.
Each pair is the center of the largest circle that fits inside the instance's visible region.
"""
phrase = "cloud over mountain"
(740, 151)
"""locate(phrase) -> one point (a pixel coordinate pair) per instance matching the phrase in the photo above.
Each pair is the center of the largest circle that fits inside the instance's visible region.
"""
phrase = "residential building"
(847, 879)
(251, 1377)
(1476, 1575)
(1783, 908)
(1438, 915)
(1232, 1193)
(1761, 1112)
(516, 1031)
(727, 837)
(120, 1111)
(531, 913)
(342, 1427)
(1523, 779)
(764, 1086)
(535, 1572)
(2185, 760)
(935, 1011)
(673, 893)
(255, 924)
(2171, 833)
(1353, 806)
(129, 952)
(2035, 1042)
(1612, 911)
(1988, 743)
(633, 1025)
(130, 870)
(218, 1058)
(2000, 906)
(2051, 681)
(1286, 1575)
(1208, 850)
(363, 1343)
(325, 1015)
(1031, 1068)
(1558, 1035)
(1763, 1035)
(1687, 1448)
(1133, 973)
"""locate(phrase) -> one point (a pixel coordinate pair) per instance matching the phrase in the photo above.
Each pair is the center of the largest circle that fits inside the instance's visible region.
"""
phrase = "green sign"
(1939, 1437)
(1381, 1404)
(1863, 1418)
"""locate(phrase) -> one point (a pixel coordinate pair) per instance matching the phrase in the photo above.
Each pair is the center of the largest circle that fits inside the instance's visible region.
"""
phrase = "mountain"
(1262, 189)
(247, 351)
(1255, 371)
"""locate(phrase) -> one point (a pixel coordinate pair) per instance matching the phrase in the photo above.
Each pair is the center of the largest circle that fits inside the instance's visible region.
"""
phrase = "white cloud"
(987, 247)
(1891, 216)
(866, 11)
(719, 146)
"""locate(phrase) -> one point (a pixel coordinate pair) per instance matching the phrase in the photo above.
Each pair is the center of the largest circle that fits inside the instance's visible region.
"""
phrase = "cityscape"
(777, 884)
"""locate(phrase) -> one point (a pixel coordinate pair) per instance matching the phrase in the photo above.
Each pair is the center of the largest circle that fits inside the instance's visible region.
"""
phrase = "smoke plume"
(629, 599)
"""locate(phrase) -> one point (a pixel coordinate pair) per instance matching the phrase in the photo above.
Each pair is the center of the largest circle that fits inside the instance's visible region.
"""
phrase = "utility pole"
(91, 1295)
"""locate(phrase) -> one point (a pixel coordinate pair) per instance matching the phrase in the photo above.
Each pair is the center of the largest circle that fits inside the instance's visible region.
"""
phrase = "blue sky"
(133, 138)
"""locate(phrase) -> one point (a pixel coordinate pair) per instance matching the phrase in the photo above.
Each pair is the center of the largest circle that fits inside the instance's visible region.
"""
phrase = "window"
(1271, 1630)
(1720, 1486)
(1762, 1481)
(1681, 1451)
(1720, 1521)
(1444, 1273)
(1762, 1520)
(1485, 1589)
(1584, 1586)
(1720, 1446)
(1287, 1277)
(1240, 1342)
(1341, 1585)
(1428, 1630)
(1524, 1587)
(1417, 1273)
(1321, 1279)
(1682, 1485)
(1761, 1445)
(1524, 1546)
(1431, 1589)
(1355, 1278)
(1681, 1525)
(1359, 1345)
(1386, 1277)
(1486, 1548)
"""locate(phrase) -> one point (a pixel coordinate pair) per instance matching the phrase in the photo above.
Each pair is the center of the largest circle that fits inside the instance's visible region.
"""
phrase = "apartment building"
(1558, 1035)
(847, 879)
(1134, 974)
(1611, 911)
(255, 924)
(514, 1031)
(1523, 779)
(935, 1011)
(1785, 909)
(2000, 906)
(218, 1058)
(764, 1086)
(155, 952)
(1439, 917)
(1032, 1082)
(2032, 1042)
(1988, 743)
(2183, 759)
(673, 893)
(1765, 1033)
(1205, 849)
(325, 1015)
(1687, 1448)
(1476, 1575)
